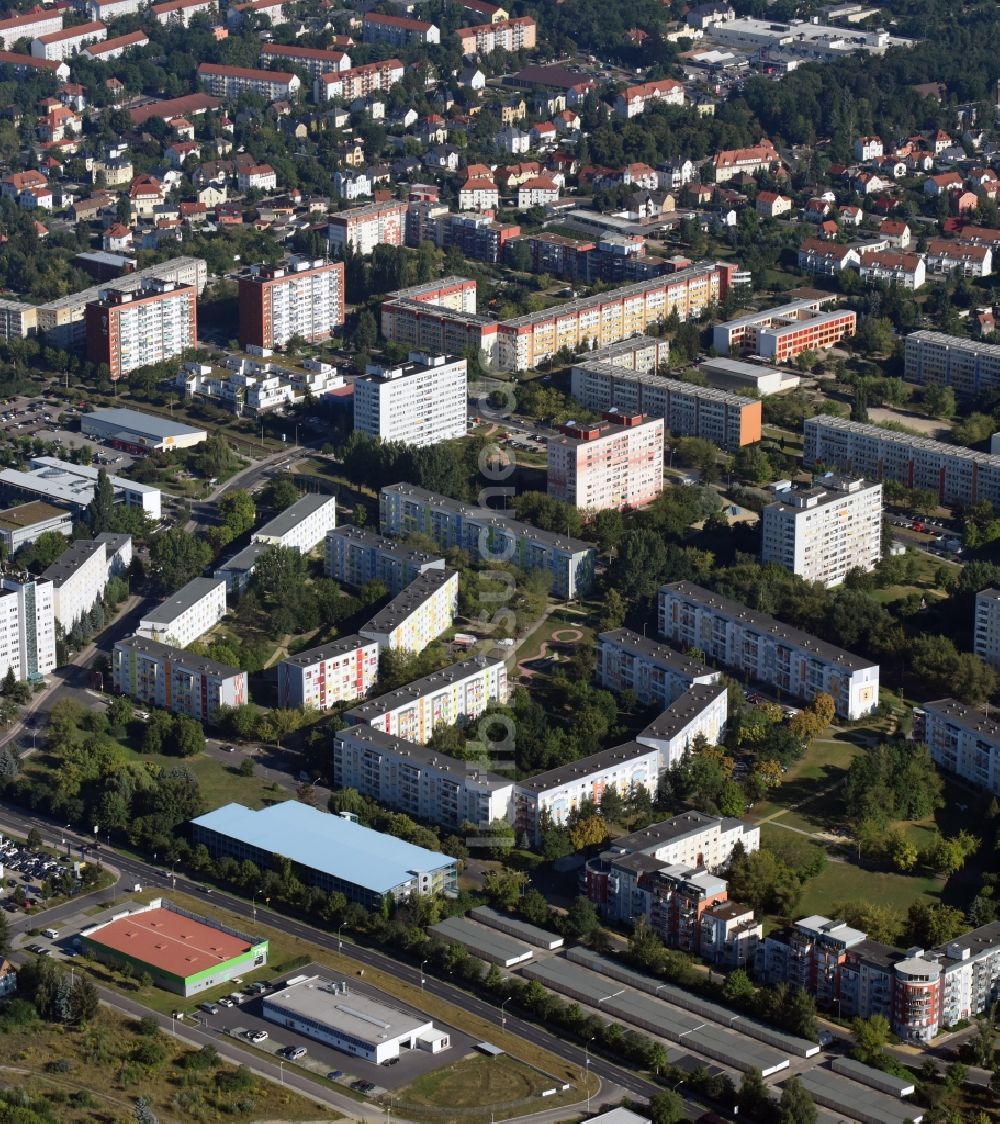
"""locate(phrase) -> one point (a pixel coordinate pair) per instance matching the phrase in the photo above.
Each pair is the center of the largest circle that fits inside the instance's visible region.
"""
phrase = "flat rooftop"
(586, 766)
(184, 599)
(291, 517)
(350, 1012)
(684, 710)
(146, 425)
(177, 657)
(325, 843)
(663, 382)
(656, 835)
(338, 647)
(66, 482)
(436, 681)
(909, 440)
(29, 514)
(172, 942)
(656, 652)
(77, 554)
(372, 540)
(410, 600)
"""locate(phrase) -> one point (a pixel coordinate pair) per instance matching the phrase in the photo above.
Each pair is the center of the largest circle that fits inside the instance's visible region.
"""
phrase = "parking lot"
(244, 1020)
(39, 418)
(26, 870)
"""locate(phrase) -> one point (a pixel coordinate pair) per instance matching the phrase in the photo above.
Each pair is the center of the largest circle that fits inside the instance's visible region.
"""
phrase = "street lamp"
(586, 1049)
(281, 1070)
(503, 1020)
(340, 942)
(422, 963)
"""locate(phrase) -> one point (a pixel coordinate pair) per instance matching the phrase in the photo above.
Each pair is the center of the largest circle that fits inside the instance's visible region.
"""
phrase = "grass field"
(846, 881)
(98, 1073)
(489, 1085)
(806, 784)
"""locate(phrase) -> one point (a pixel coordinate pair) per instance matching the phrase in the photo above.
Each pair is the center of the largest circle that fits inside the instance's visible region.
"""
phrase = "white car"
(257, 1035)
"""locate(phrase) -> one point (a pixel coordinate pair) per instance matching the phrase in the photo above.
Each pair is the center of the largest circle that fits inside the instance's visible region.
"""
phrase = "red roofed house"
(771, 205)
(938, 185)
(634, 100)
(478, 194)
(826, 259)
(537, 192)
(896, 232)
(731, 162)
(945, 256)
(905, 270)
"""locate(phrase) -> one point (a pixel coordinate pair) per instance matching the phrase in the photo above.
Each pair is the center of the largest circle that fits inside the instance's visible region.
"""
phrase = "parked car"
(208, 1008)
(293, 1053)
(225, 1001)
(257, 1035)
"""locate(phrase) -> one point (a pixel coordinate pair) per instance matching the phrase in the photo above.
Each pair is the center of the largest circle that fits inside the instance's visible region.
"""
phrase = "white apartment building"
(967, 366)
(418, 781)
(690, 838)
(358, 81)
(634, 100)
(962, 739)
(488, 535)
(231, 81)
(314, 61)
(170, 678)
(728, 420)
(822, 532)
(954, 474)
(363, 228)
(700, 712)
(68, 41)
(555, 794)
(301, 527)
(30, 25)
(301, 298)
(355, 556)
(945, 255)
(421, 402)
(654, 672)
(27, 627)
(762, 649)
(615, 465)
(182, 11)
(317, 679)
(398, 31)
(517, 34)
(417, 615)
(79, 577)
(187, 614)
(113, 9)
(986, 630)
(458, 693)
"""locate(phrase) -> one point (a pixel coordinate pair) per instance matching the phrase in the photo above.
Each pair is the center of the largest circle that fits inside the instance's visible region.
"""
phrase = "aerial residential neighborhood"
(500, 561)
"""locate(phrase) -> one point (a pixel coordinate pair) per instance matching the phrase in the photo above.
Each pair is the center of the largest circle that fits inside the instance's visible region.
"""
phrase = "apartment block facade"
(127, 330)
(488, 535)
(986, 626)
(418, 615)
(301, 527)
(187, 614)
(398, 31)
(654, 672)
(355, 556)
(79, 577)
(954, 474)
(359, 81)
(68, 41)
(969, 367)
(315, 61)
(27, 627)
(554, 795)
(341, 671)
(361, 229)
(30, 25)
(822, 532)
(728, 420)
(303, 298)
(700, 712)
(783, 333)
(962, 739)
(421, 402)
(455, 694)
(764, 650)
(616, 465)
(231, 82)
(518, 34)
(413, 779)
(170, 678)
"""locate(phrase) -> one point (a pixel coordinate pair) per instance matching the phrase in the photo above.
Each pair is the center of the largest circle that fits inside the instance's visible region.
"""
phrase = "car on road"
(358, 1086)
(390, 1061)
(208, 1008)
(228, 748)
(257, 1035)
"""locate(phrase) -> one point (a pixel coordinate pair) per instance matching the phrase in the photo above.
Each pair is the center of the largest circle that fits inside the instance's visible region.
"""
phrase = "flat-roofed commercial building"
(613, 465)
(421, 402)
(487, 535)
(968, 366)
(457, 693)
(782, 333)
(418, 615)
(963, 739)
(355, 556)
(654, 672)
(75, 484)
(553, 795)
(301, 527)
(127, 330)
(954, 474)
(187, 614)
(822, 532)
(363, 228)
(726, 419)
(22, 524)
(421, 782)
(301, 298)
(183, 953)
(331, 852)
(319, 678)
(138, 432)
(176, 680)
(738, 375)
(334, 1013)
(764, 650)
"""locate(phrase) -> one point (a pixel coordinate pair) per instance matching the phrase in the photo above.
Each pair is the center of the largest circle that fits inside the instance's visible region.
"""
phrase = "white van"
(52, 934)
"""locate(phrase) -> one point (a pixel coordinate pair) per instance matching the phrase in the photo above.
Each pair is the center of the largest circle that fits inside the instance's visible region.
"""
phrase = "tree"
(120, 711)
(871, 1036)
(796, 1105)
(238, 511)
(589, 831)
(666, 1107)
(34, 839)
(738, 989)
(158, 731)
(930, 924)
(83, 1000)
(187, 738)
(247, 767)
(581, 918)
(4, 935)
(178, 557)
(281, 492)
(504, 887)
(101, 509)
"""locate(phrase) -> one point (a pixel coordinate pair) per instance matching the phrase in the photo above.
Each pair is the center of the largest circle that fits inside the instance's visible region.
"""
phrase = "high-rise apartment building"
(417, 615)
(727, 420)
(27, 626)
(516, 34)
(355, 555)
(762, 649)
(653, 672)
(962, 739)
(186, 615)
(954, 474)
(303, 298)
(175, 680)
(617, 464)
(986, 628)
(131, 330)
(341, 671)
(420, 402)
(363, 228)
(822, 532)
(967, 366)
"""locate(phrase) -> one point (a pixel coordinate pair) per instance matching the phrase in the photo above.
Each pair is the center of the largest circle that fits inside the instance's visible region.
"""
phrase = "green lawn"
(846, 881)
(824, 764)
